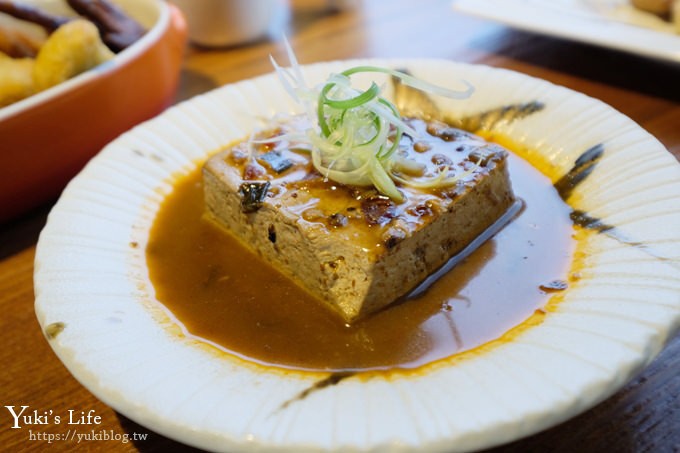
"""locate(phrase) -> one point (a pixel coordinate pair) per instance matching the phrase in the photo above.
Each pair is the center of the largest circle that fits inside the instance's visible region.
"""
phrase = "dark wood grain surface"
(642, 417)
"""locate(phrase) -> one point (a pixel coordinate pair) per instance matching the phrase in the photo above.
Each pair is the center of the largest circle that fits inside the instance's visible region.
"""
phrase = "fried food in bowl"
(72, 106)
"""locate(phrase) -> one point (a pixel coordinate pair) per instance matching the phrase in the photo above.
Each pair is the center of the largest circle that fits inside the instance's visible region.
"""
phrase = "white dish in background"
(95, 299)
(609, 23)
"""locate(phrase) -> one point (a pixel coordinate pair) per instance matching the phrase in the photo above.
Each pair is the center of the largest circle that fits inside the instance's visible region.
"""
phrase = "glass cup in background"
(222, 23)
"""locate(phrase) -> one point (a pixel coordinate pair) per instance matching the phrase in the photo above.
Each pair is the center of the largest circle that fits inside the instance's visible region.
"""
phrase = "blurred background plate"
(613, 24)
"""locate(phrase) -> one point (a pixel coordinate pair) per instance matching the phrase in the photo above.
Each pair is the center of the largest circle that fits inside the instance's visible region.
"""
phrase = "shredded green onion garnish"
(357, 133)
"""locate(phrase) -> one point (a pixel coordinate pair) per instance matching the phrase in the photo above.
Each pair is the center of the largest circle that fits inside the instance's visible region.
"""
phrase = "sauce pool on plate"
(225, 295)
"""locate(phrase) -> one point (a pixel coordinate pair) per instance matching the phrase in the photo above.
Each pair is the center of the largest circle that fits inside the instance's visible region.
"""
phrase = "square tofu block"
(356, 250)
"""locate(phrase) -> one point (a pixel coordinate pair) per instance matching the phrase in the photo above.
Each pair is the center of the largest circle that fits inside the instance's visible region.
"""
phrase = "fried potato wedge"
(16, 79)
(72, 49)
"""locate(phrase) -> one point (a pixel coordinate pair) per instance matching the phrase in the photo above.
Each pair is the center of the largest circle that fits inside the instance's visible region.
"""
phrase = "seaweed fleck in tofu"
(356, 250)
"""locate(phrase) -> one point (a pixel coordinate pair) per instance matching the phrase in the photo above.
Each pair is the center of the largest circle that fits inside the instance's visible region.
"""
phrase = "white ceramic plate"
(609, 23)
(96, 303)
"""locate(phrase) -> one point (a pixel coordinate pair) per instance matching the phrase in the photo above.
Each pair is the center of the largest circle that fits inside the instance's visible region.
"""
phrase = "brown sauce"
(224, 295)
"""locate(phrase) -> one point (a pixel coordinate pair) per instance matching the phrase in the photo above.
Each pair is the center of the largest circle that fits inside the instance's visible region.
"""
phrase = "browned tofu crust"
(353, 248)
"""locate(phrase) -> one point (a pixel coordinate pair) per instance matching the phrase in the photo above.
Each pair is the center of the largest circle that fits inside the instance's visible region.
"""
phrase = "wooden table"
(644, 416)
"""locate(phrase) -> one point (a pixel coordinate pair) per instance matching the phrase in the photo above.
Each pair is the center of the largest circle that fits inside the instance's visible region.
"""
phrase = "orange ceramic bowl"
(47, 138)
